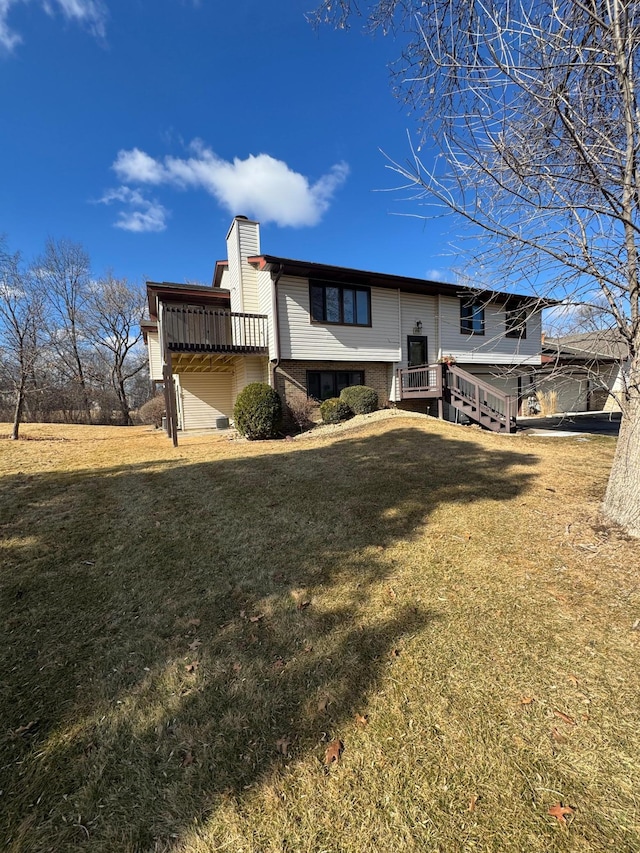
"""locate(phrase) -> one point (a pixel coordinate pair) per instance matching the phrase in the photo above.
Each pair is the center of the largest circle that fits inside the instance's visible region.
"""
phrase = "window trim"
(516, 330)
(318, 283)
(474, 306)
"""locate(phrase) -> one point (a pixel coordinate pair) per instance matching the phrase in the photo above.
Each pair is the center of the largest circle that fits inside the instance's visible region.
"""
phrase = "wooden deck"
(478, 400)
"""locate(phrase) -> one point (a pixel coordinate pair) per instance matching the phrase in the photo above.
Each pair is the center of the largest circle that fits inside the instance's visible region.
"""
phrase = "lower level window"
(323, 384)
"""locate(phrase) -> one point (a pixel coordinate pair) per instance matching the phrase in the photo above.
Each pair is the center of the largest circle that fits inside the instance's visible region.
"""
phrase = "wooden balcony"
(210, 330)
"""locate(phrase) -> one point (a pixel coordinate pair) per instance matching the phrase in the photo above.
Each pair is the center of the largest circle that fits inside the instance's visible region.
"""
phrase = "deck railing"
(483, 402)
(480, 401)
(420, 382)
(194, 329)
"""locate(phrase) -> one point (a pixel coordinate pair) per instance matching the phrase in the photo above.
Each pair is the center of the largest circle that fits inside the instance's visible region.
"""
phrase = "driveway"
(574, 423)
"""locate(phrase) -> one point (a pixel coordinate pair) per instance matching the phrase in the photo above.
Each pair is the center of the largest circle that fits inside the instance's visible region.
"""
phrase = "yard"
(191, 635)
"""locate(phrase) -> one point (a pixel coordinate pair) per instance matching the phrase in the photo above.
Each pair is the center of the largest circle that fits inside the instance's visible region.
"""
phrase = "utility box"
(222, 423)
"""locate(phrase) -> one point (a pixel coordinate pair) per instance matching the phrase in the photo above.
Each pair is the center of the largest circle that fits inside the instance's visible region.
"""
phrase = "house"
(586, 370)
(310, 329)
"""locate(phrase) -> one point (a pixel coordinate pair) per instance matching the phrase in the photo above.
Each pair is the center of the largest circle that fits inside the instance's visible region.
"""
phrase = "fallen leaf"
(25, 730)
(193, 623)
(188, 759)
(302, 605)
(279, 664)
(195, 644)
(237, 667)
(256, 618)
(333, 753)
(362, 719)
(192, 667)
(395, 653)
(323, 704)
(527, 700)
(557, 736)
(573, 679)
(282, 745)
(473, 802)
(391, 593)
(564, 717)
(559, 811)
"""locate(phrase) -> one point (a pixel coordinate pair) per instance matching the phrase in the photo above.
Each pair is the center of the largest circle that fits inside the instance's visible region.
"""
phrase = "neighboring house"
(587, 370)
(310, 329)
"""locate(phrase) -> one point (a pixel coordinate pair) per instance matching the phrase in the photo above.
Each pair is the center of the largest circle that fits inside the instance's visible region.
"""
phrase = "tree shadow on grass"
(174, 629)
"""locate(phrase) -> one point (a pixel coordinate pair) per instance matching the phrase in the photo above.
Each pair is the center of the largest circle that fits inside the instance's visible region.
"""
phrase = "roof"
(172, 291)
(600, 345)
(327, 272)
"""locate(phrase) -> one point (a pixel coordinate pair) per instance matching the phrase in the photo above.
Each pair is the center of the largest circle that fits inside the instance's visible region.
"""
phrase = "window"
(516, 323)
(471, 317)
(416, 350)
(335, 303)
(323, 384)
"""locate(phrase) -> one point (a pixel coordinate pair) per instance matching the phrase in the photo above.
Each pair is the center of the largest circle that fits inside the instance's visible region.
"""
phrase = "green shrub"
(335, 410)
(258, 411)
(360, 398)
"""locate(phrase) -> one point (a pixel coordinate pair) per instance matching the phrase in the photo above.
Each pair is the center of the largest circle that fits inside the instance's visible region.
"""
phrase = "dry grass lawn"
(185, 631)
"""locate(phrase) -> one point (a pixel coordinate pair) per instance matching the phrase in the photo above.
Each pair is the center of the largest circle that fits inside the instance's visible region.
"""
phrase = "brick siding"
(291, 376)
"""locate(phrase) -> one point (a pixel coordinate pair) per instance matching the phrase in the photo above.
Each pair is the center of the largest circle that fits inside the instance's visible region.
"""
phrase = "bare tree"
(20, 318)
(533, 111)
(115, 310)
(63, 273)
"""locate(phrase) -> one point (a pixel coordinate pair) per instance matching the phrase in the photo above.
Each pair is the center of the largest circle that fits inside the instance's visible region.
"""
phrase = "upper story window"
(471, 317)
(516, 323)
(340, 304)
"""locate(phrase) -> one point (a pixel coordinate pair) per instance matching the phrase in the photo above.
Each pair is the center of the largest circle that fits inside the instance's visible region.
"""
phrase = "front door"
(416, 350)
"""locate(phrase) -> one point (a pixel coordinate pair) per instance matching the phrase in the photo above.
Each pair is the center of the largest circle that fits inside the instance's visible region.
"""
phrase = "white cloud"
(141, 214)
(435, 275)
(90, 13)
(259, 186)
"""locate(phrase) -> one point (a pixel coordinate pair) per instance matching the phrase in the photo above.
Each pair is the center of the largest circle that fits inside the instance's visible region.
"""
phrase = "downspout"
(276, 320)
(397, 387)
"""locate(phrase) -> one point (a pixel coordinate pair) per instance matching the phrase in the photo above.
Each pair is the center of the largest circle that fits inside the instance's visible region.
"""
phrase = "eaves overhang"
(365, 278)
(199, 294)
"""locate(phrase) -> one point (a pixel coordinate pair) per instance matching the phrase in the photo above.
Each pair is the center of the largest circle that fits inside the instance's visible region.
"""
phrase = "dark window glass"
(332, 297)
(472, 318)
(516, 323)
(362, 297)
(348, 306)
(317, 303)
(322, 384)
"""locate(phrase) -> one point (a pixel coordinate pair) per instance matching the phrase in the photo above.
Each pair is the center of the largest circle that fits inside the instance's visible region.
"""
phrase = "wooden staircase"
(479, 401)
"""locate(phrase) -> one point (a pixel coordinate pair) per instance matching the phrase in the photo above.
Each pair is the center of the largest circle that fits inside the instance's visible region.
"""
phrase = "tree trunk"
(17, 418)
(622, 499)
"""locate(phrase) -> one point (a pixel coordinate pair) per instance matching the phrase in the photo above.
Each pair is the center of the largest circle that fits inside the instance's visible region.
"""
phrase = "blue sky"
(140, 127)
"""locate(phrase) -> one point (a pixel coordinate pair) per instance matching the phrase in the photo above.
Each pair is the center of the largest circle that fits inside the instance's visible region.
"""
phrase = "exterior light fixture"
(417, 329)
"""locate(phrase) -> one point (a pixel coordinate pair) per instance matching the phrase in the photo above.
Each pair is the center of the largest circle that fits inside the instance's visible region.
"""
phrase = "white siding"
(243, 241)
(155, 356)
(492, 347)
(265, 295)
(299, 338)
(205, 397)
(414, 307)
